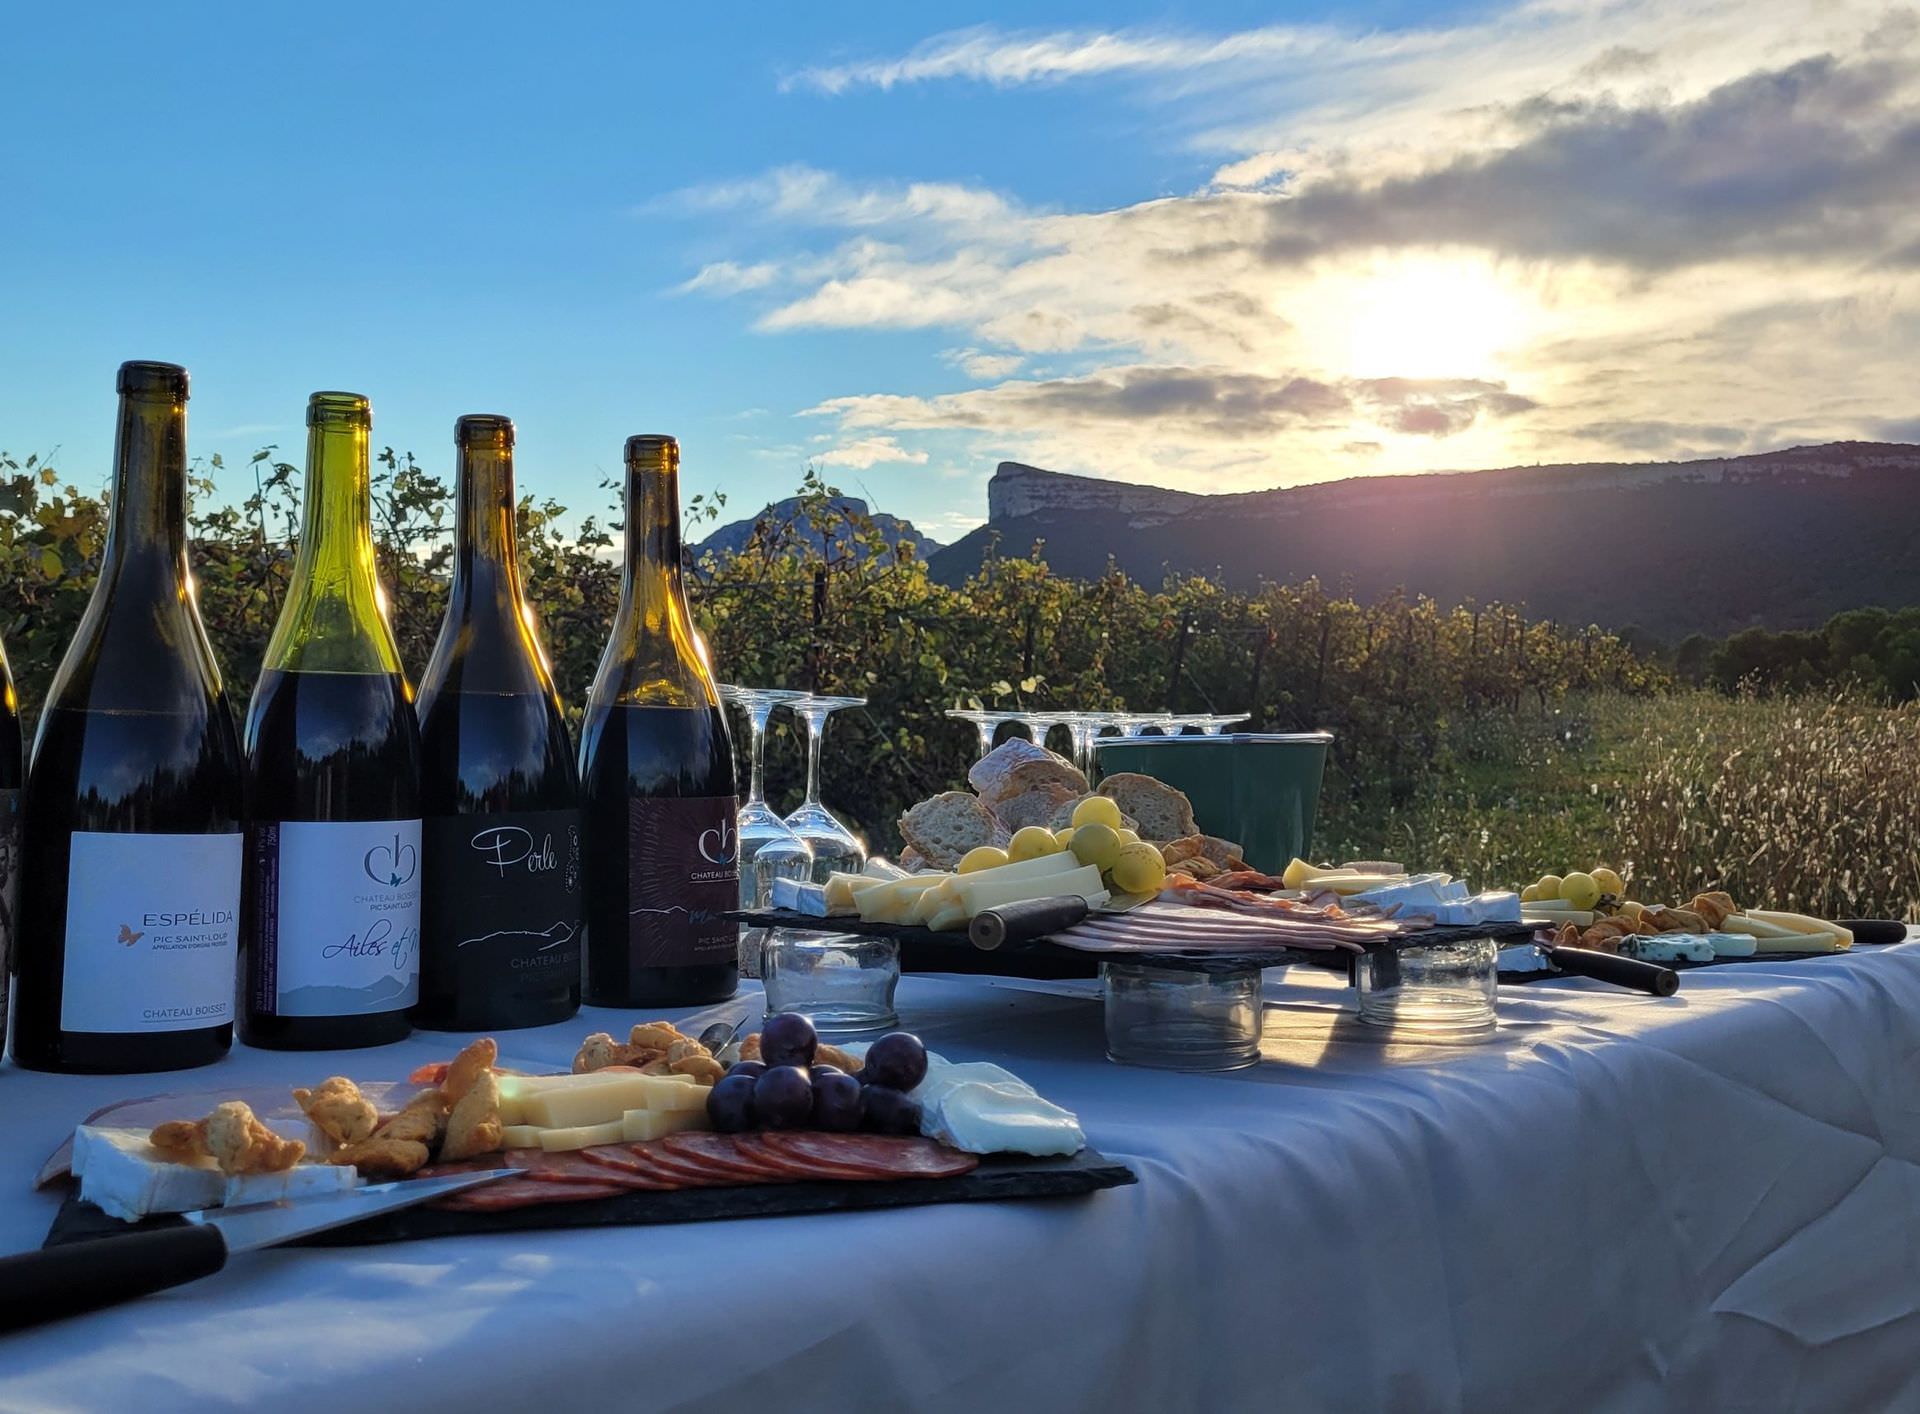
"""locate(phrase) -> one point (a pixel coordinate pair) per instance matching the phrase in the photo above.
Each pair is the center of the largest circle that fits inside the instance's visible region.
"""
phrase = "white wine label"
(152, 922)
(339, 917)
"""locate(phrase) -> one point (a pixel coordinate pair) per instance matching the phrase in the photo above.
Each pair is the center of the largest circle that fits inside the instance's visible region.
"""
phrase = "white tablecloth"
(1618, 1203)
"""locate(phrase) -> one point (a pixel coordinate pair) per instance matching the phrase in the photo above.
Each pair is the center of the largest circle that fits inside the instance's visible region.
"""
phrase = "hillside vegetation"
(1469, 738)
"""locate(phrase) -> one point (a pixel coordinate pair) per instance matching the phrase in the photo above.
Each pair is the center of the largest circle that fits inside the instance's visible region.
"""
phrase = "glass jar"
(1177, 1018)
(1440, 990)
(841, 982)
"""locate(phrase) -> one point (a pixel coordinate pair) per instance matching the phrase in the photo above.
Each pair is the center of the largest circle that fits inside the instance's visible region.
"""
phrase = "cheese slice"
(893, 901)
(520, 1136)
(127, 1178)
(581, 1136)
(604, 1102)
(1040, 867)
(638, 1126)
(981, 891)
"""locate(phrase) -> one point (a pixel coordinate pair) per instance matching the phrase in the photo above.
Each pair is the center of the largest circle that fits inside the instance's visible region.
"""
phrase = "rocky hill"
(1782, 539)
(784, 517)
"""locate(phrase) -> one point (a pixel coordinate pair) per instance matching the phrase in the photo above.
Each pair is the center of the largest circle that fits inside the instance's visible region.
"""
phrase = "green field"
(1807, 802)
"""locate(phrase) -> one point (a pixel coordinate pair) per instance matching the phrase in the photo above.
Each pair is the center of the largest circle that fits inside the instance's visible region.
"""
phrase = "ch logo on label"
(392, 865)
(718, 844)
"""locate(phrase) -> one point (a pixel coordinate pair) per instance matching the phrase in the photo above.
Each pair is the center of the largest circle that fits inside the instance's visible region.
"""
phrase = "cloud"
(1657, 227)
(1207, 403)
(987, 55)
(868, 452)
(981, 365)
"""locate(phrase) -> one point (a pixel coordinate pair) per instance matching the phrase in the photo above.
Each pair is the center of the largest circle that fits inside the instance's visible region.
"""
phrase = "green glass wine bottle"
(131, 861)
(332, 938)
(501, 924)
(657, 777)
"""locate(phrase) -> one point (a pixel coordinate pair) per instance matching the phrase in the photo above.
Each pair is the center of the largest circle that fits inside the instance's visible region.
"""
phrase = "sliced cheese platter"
(653, 1129)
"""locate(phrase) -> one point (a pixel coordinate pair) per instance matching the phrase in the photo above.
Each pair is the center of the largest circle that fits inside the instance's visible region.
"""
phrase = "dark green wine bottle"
(131, 866)
(657, 777)
(502, 925)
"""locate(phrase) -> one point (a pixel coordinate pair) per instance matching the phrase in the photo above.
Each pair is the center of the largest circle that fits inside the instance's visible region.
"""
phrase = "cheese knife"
(104, 1271)
(1629, 972)
(1013, 925)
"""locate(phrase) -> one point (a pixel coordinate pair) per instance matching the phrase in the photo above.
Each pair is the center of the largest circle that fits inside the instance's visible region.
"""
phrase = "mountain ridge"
(1783, 539)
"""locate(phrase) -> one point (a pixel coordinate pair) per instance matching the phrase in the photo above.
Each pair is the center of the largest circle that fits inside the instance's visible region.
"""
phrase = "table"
(1618, 1202)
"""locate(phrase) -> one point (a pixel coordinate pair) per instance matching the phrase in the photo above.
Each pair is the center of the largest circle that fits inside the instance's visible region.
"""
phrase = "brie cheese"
(300, 1181)
(127, 1178)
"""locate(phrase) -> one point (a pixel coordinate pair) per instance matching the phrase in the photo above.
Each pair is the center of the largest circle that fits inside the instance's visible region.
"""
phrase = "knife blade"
(84, 1276)
(1629, 972)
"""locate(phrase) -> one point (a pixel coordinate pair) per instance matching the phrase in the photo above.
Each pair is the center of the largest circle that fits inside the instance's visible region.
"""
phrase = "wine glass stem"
(816, 734)
(986, 736)
(757, 779)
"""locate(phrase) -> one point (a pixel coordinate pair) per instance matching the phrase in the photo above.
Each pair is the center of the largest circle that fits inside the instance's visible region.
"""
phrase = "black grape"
(896, 1060)
(888, 1111)
(836, 1101)
(783, 1097)
(730, 1104)
(788, 1038)
(753, 1070)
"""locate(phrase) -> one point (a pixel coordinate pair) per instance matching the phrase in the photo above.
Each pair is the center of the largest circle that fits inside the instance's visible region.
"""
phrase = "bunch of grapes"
(784, 1089)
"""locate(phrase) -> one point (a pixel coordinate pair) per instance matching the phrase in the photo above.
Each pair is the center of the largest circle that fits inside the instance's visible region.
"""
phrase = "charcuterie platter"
(656, 1128)
(944, 950)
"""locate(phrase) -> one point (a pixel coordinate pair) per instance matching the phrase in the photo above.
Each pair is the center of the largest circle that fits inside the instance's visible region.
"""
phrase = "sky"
(1216, 247)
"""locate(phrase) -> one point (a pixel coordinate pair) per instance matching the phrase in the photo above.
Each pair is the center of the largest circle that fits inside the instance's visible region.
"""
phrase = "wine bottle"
(332, 942)
(131, 862)
(501, 923)
(656, 777)
(12, 771)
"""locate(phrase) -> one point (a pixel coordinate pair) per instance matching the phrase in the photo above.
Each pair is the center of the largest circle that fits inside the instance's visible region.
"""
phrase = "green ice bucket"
(1259, 790)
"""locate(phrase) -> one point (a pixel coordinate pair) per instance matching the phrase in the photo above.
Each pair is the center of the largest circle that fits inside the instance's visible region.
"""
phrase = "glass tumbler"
(841, 982)
(1441, 990)
(1177, 1018)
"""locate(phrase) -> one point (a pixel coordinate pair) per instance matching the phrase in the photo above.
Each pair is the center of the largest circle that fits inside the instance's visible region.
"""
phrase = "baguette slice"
(1163, 812)
(941, 830)
(1016, 766)
(1037, 806)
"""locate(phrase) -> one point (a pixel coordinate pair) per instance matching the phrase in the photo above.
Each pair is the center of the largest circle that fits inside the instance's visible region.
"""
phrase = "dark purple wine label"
(683, 876)
(503, 904)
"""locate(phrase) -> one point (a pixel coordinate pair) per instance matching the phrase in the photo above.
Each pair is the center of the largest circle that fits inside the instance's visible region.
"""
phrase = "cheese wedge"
(982, 891)
(1041, 867)
(520, 1136)
(638, 1126)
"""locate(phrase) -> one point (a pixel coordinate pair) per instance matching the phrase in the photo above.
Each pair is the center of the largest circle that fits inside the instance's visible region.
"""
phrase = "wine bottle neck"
(148, 525)
(653, 657)
(652, 571)
(335, 617)
(486, 564)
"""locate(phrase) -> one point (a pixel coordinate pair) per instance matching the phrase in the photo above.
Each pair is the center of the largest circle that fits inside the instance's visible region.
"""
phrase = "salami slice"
(637, 1168)
(507, 1193)
(797, 1168)
(878, 1155)
(722, 1154)
(572, 1166)
(688, 1169)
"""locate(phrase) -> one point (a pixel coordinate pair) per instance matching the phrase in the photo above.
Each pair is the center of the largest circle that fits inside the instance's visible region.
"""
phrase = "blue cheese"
(800, 897)
(1669, 947)
(125, 1177)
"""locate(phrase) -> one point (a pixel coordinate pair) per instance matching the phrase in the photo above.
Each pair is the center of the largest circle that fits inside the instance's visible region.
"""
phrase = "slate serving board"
(998, 1178)
(1521, 979)
(923, 950)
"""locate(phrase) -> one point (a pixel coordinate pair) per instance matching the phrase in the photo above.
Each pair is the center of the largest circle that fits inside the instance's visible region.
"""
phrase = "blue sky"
(1213, 246)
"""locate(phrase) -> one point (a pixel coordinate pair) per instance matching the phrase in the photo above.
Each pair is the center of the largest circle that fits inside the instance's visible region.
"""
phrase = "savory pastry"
(1714, 909)
(338, 1110)
(423, 1120)
(652, 1048)
(236, 1141)
(381, 1157)
(475, 1060)
(473, 1126)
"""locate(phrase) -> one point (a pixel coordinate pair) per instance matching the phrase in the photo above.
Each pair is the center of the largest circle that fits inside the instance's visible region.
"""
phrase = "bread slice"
(1036, 806)
(1016, 766)
(941, 830)
(1163, 812)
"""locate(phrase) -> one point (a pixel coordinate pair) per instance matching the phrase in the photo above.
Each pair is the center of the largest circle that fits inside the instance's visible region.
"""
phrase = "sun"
(1426, 317)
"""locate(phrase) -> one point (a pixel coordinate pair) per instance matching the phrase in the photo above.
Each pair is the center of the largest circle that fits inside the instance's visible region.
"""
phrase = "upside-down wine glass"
(986, 723)
(1213, 726)
(1083, 727)
(1040, 724)
(834, 846)
(769, 849)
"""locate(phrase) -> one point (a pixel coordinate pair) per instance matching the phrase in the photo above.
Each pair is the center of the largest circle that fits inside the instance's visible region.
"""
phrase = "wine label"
(683, 873)
(152, 930)
(337, 917)
(506, 903)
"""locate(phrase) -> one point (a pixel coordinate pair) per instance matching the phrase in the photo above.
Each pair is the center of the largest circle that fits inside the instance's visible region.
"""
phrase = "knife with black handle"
(1611, 967)
(1013, 925)
(104, 1271)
